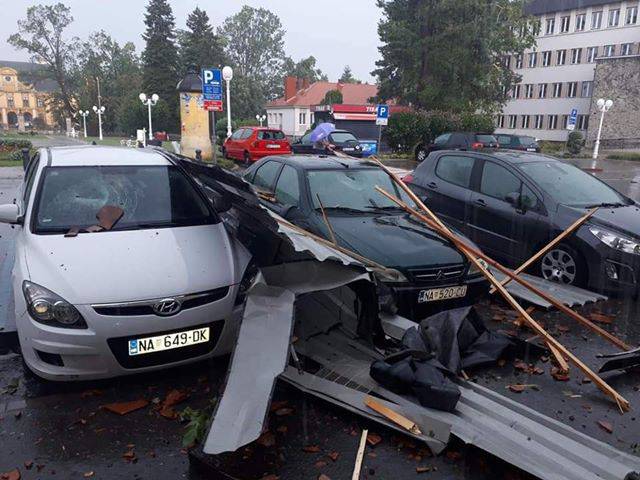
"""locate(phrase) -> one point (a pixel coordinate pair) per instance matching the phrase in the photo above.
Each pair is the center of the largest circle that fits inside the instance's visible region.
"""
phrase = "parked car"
(250, 144)
(513, 203)
(518, 142)
(341, 140)
(456, 141)
(154, 290)
(430, 274)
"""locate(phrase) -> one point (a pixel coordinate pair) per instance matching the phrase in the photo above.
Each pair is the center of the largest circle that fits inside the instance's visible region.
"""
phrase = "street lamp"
(227, 74)
(84, 114)
(604, 106)
(261, 118)
(149, 102)
(99, 112)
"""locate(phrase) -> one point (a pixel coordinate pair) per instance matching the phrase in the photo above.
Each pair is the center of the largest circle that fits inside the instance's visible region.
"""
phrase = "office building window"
(592, 54)
(39, 102)
(632, 16)
(528, 90)
(506, 61)
(581, 21)
(552, 123)
(519, 61)
(576, 55)
(625, 48)
(596, 20)
(561, 57)
(312, 118)
(500, 121)
(10, 102)
(609, 50)
(572, 89)
(565, 22)
(525, 121)
(515, 93)
(557, 90)
(302, 117)
(546, 58)
(25, 100)
(614, 17)
(542, 90)
(551, 26)
(533, 58)
(587, 88)
(583, 122)
(539, 120)
(512, 121)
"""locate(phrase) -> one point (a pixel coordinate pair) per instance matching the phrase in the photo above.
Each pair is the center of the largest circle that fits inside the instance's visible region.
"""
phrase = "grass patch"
(634, 156)
(9, 163)
(22, 136)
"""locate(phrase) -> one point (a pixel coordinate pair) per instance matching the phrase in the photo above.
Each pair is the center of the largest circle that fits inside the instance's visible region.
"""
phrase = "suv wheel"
(421, 153)
(564, 265)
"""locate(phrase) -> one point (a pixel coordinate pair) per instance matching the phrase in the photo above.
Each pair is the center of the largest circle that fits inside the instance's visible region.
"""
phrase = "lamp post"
(149, 102)
(227, 74)
(603, 105)
(261, 118)
(84, 114)
(99, 112)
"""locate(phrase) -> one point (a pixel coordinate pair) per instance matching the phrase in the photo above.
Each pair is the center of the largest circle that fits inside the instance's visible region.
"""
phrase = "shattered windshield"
(151, 197)
(569, 185)
(353, 189)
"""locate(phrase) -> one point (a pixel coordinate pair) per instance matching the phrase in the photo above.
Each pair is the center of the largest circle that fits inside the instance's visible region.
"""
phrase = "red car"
(250, 144)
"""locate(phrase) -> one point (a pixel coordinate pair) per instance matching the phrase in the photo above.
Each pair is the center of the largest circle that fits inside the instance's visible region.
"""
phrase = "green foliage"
(551, 147)
(305, 68)
(133, 115)
(221, 129)
(332, 97)
(10, 144)
(199, 45)
(448, 54)
(197, 424)
(406, 129)
(347, 76)
(575, 142)
(635, 156)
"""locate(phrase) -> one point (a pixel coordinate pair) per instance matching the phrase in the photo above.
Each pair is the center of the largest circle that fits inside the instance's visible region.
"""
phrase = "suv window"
(237, 134)
(247, 133)
(288, 188)
(270, 135)
(266, 175)
(504, 139)
(498, 182)
(442, 139)
(306, 138)
(455, 169)
(529, 199)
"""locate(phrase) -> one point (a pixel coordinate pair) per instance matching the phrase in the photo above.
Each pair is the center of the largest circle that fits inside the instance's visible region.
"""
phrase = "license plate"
(531, 149)
(348, 149)
(436, 294)
(272, 145)
(169, 341)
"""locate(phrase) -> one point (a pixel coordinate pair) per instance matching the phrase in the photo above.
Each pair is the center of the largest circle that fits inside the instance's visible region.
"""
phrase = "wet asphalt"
(53, 430)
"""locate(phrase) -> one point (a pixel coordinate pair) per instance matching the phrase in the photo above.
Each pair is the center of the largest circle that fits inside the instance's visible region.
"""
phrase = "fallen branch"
(360, 456)
(395, 417)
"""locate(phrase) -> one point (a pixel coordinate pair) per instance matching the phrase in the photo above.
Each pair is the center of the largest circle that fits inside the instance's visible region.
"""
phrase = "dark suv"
(518, 142)
(456, 141)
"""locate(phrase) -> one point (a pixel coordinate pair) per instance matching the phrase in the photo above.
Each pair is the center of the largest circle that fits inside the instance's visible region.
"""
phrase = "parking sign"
(212, 89)
(382, 114)
(573, 118)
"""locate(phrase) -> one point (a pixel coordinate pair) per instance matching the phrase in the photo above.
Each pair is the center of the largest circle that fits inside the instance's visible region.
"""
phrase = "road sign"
(382, 114)
(573, 118)
(212, 105)
(212, 84)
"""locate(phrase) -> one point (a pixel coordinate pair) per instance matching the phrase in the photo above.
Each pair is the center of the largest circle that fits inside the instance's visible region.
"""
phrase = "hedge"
(407, 129)
(10, 144)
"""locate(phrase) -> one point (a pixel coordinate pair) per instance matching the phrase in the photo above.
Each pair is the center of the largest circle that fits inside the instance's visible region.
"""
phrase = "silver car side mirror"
(9, 213)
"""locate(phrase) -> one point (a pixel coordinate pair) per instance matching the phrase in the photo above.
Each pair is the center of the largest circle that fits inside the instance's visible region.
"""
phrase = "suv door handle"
(433, 185)
(481, 202)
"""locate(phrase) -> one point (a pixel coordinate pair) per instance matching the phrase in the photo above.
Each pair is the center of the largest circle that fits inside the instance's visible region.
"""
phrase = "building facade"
(558, 72)
(23, 96)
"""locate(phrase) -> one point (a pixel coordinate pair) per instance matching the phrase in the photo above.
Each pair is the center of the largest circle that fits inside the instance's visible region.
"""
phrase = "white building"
(557, 74)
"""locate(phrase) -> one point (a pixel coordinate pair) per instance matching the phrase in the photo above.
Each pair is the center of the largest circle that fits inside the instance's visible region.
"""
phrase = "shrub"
(404, 130)
(10, 144)
(575, 142)
(624, 156)
(15, 156)
(221, 129)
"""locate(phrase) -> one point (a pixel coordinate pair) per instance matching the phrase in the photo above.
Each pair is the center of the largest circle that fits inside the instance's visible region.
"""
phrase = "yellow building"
(23, 96)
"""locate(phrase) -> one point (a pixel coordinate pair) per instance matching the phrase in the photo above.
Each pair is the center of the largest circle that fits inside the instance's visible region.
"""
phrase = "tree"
(132, 115)
(347, 76)
(160, 57)
(255, 47)
(41, 34)
(199, 45)
(448, 54)
(305, 68)
(332, 97)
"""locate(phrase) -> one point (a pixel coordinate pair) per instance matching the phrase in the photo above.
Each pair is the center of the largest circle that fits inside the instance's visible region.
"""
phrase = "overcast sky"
(336, 32)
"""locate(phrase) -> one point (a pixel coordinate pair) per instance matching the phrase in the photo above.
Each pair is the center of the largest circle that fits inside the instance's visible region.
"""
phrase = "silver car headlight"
(474, 270)
(616, 241)
(391, 275)
(46, 307)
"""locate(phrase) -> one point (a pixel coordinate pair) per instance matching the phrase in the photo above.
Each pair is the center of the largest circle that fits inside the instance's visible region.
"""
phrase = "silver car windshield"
(150, 196)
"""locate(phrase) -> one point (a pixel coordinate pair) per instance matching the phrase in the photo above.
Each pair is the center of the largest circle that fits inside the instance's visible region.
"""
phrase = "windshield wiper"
(342, 209)
(386, 208)
(607, 205)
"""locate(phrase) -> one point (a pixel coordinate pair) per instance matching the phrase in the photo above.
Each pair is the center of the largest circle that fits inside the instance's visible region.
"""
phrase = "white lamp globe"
(227, 73)
(95, 109)
(142, 97)
(155, 97)
(608, 103)
(600, 102)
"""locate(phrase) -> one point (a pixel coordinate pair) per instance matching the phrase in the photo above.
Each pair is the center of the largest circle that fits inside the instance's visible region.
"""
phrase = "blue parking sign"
(382, 114)
(212, 84)
(573, 118)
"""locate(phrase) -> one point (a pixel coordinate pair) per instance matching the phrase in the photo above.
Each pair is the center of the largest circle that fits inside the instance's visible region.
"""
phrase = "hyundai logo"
(167, 307)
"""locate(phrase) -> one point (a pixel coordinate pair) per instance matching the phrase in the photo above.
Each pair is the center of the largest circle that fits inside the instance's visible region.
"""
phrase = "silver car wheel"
(559, 266)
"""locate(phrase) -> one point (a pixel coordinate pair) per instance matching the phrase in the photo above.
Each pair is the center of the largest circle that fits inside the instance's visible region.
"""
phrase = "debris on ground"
(11, 475)
(606, 426)
(173, 398)
(124, 408)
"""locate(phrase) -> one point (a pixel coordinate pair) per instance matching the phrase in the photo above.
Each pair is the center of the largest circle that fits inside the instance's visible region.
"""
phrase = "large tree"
(160, 56)
(41, 34)
(199, 45)
(255, 47)
(448, 54)
(347, 76)
(305, 68)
